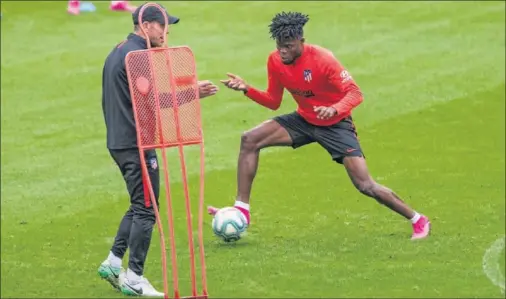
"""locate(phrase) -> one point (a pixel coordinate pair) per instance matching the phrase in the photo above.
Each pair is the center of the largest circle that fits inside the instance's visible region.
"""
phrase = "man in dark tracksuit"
(135, 229)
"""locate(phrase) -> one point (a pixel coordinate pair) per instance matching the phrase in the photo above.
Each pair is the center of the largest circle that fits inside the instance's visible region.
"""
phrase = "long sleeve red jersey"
(315, 79)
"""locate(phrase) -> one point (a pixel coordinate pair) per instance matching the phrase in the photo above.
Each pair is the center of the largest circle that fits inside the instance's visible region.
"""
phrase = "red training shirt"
(316, 78)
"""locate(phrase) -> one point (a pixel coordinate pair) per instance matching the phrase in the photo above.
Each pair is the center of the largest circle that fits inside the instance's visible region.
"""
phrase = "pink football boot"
(421, 228)
(73, 7)
(122, 6)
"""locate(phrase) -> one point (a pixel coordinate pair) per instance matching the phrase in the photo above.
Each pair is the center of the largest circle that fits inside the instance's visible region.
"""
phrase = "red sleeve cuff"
(338, 108)
(251, 93)
(349, 102)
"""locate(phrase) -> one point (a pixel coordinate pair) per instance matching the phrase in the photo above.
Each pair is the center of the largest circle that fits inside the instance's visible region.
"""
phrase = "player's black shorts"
(340, 139)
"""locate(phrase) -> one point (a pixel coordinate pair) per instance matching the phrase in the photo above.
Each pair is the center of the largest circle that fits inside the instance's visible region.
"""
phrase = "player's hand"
(325, 112)
(207, 88)
(234, 82)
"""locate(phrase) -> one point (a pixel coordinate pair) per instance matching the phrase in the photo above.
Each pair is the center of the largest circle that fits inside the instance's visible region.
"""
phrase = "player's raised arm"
(185, 96)
(270, 98)
(339, 77)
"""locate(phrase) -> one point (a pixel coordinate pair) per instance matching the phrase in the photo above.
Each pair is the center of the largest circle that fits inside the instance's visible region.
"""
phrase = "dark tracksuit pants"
(136, 227)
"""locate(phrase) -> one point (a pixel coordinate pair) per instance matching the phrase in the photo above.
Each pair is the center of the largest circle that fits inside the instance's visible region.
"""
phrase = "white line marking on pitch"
(491, 264)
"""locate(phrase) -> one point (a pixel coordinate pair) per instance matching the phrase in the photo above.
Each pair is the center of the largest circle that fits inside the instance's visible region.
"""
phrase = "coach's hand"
(325, 112)
(234, 82)
(207, 88)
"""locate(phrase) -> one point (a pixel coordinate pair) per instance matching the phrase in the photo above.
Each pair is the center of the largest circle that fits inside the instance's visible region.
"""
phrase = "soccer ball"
(229, 224)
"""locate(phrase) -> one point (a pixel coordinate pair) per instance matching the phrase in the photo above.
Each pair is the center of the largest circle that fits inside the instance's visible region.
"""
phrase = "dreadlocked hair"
(288, 25)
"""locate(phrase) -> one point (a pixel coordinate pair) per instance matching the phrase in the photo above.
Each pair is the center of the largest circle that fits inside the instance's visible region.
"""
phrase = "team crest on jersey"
(308, 76)
(154, 163)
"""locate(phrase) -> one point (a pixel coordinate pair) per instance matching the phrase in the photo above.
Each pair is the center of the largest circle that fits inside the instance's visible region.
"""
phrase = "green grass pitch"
(432, 126)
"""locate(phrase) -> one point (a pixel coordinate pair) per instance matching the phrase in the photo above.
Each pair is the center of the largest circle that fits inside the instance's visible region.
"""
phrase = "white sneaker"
(141, 287)
(115, 276)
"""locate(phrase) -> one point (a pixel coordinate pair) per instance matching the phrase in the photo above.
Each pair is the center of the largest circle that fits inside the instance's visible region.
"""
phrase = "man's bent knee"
(250, 141)
(140, 209)
(269, 133)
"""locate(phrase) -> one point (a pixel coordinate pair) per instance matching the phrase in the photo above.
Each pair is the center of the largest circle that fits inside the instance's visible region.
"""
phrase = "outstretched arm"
(270, 99)
(206, 89)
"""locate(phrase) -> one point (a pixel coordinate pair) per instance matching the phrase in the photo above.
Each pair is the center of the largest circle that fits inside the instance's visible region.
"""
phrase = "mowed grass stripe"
(73, 192)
